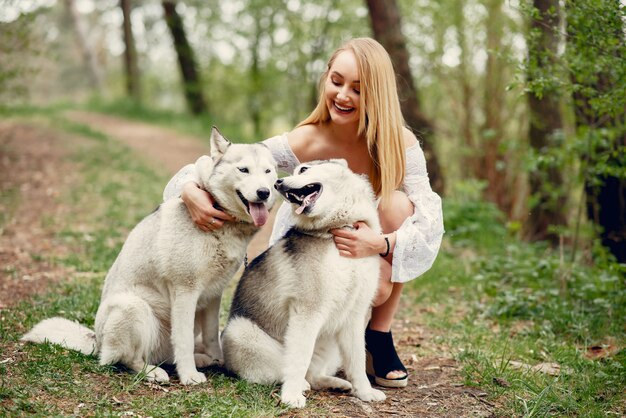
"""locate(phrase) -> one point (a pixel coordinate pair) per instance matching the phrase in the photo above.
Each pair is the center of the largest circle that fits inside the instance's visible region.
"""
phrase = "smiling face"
(342, 89)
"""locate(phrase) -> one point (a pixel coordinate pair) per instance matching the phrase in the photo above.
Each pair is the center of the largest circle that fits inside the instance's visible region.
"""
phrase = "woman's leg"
(388, 297)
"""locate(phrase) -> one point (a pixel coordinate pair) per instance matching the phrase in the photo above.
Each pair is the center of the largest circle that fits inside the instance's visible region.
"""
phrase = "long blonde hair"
(380, 118)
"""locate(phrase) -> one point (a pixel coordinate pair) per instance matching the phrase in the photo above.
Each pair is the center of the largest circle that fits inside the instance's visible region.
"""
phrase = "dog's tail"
(66, 333)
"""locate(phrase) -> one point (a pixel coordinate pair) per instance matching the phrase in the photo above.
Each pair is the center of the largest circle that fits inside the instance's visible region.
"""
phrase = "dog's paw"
(330, 382)
(216, 355)
(293, 399)
(157, 374)
(371, 395)
(192, 378)
(203, 360)
(292, 393)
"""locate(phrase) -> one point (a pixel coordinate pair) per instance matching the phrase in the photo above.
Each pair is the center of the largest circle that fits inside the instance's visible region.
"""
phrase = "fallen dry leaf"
(600, 351)
(552, 369)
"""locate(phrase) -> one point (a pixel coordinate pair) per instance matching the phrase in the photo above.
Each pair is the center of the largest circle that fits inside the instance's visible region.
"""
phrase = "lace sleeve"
(284, 156)
(419, 237)
(175, 186)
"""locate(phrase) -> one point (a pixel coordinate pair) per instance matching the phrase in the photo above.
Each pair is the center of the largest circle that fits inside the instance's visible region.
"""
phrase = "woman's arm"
(199, 203)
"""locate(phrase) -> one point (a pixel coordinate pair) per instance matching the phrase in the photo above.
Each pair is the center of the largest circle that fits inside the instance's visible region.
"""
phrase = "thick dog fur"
(299, 310)
(170, 275)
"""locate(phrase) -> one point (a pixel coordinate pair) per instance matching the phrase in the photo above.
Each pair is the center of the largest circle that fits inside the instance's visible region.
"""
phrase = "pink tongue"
(306, 202)
(259, 213)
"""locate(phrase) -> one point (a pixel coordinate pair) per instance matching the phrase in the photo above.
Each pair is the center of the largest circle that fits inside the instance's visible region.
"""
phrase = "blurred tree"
(133, 85)
(192, 84)
(17, 42)
(596, 53)
(86, 49)
(546, 125)
(493, 164)
(385, 20)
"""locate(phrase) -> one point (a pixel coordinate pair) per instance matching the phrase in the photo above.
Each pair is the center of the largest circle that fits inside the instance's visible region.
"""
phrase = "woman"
(358, 118)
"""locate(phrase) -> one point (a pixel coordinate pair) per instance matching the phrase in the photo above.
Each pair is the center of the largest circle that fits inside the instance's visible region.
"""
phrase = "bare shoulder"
(408, 137)
(302, 141)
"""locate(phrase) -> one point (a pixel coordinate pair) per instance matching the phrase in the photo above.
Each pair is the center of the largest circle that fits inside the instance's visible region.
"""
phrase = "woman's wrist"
(384, 247)
(386, 244)
(187, 188)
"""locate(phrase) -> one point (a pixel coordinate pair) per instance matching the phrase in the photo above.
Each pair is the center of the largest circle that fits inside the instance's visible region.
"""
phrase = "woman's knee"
(394, 213)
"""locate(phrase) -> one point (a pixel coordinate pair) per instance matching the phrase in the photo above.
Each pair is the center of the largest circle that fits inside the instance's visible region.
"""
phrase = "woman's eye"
(356, 91)
(243, 170)
(302, 170)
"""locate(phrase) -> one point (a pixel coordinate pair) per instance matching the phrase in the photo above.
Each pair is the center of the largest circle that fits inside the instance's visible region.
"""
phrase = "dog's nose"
(263, 193)
(278, 183)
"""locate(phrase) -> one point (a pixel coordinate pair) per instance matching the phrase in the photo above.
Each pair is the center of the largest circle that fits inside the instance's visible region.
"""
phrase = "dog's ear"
(219, 144)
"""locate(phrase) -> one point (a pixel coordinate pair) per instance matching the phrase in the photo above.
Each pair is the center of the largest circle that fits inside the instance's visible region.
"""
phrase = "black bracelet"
(388, 248)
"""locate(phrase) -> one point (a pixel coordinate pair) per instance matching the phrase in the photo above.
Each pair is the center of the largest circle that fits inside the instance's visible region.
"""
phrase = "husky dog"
(299, 301)
(170, 275)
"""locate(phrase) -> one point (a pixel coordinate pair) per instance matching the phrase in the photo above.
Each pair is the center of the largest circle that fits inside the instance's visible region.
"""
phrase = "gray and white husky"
(299, 310)
(170, 275)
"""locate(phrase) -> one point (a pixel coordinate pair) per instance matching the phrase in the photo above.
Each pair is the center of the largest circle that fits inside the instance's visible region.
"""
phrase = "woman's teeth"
(343, 109)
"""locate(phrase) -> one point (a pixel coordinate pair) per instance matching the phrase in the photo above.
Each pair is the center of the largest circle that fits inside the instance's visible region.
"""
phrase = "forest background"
(520, 107)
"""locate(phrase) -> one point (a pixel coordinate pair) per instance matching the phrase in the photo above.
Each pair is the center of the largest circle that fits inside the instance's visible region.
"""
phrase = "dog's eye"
(268, 171)
(244, 170)
(303, 169)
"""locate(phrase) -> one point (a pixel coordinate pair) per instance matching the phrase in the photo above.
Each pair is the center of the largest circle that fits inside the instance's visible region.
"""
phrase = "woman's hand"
(360, 242)
(200, 206)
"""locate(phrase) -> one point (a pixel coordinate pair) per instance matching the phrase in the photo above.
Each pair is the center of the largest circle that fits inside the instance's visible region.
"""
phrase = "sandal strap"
(380, 346)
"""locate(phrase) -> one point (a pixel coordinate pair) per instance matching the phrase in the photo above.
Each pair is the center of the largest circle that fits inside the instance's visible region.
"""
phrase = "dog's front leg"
(210, 321)
(352, 348)
(302, 332)
(183, 313)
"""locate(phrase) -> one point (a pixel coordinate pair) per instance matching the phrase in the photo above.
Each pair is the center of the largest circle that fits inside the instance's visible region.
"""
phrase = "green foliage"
(470, 220)
(588, 73)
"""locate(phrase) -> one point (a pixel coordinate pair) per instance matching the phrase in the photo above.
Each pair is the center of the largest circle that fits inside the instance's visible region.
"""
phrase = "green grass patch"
(505, 308)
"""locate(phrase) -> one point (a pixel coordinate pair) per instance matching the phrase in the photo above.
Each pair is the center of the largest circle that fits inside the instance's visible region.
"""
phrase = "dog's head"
(327, 194)
(240, 178)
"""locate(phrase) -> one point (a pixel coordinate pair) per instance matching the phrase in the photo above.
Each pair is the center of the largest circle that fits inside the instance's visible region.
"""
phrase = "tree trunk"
(493, 165)
(385, 19)
(187, 63)
(89, 57)
(546, 183)
(130, 55)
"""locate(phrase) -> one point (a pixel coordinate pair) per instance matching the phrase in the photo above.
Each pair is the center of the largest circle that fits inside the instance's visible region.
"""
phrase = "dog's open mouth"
(305, 196)
(257, 210)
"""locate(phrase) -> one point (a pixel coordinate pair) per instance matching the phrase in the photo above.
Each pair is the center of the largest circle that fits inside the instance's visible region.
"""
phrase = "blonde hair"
(380, 118)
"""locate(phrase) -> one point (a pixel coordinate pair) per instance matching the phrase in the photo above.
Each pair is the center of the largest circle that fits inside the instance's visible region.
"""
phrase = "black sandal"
(382, 358)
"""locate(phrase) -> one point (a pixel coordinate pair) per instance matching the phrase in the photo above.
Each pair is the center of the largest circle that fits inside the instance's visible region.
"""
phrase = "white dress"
(417, 240)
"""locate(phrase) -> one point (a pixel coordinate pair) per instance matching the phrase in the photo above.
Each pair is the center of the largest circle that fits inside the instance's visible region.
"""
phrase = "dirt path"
(435, 388)
(33, 173)
(162, 148)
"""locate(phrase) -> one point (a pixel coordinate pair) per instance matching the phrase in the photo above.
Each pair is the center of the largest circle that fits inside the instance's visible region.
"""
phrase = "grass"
(518, 305)
(499, 305)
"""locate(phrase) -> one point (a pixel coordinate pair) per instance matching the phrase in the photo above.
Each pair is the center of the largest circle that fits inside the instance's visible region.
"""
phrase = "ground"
(33, 164)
